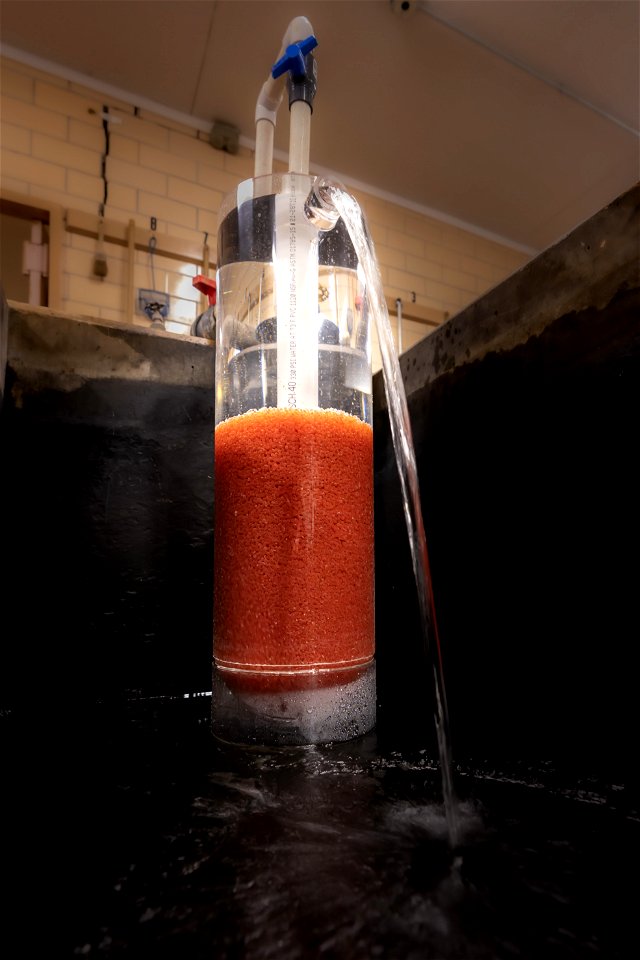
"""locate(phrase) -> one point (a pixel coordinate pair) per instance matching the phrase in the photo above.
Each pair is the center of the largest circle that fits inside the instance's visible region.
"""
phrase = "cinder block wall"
(51, 147)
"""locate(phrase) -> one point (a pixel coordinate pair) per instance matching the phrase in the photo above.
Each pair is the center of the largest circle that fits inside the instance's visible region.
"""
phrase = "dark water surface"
(138, 835)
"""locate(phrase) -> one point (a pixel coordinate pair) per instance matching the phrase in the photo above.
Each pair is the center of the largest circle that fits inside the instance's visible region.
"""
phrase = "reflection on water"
(166, 846)
(342, 851)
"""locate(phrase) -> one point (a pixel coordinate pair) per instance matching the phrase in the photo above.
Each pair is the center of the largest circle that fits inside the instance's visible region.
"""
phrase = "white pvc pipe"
(299, 137)
(399, 310)
(34, 261)
(270, 97)
(296, 284)
(295, 241)
(263, 163)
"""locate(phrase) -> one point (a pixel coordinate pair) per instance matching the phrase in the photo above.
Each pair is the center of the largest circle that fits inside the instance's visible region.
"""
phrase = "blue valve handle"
(293, 59)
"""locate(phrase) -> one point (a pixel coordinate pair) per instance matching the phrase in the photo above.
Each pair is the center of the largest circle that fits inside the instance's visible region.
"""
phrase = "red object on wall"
(206, 285)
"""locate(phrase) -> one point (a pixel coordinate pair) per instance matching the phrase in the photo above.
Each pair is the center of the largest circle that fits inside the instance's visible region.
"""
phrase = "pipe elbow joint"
(269, 101)
(298, 29)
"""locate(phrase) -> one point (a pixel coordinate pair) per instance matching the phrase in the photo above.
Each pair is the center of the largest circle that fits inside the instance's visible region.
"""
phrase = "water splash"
(327, 202)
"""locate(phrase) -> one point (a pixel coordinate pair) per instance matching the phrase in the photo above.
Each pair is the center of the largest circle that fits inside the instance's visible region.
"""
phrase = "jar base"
(337, 709)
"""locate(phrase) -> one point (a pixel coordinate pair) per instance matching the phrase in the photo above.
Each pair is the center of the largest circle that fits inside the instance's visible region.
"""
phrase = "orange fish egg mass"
(294, 556)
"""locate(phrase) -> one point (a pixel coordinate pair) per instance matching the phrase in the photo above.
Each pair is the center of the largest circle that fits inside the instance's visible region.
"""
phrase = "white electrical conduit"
(399, 315)
(269, 100)
(34, 262)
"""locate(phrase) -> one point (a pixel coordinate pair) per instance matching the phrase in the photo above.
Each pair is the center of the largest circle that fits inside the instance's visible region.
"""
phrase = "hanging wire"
(105, 154)
(152, 248)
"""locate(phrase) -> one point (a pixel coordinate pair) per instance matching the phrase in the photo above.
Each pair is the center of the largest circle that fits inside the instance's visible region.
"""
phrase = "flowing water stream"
(331, 201)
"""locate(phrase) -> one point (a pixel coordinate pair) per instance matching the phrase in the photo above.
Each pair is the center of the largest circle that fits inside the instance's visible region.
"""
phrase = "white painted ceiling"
(519, 117)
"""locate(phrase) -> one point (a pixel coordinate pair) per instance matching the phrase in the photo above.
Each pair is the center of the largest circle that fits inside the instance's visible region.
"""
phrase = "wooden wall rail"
(138, 238)
(189, 251)
(116, 231)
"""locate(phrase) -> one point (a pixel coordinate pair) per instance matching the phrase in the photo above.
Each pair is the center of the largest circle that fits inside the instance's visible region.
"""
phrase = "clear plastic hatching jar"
(293, 657)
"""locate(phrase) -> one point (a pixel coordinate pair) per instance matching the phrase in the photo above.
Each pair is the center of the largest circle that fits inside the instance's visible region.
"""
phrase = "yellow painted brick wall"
(51, 143)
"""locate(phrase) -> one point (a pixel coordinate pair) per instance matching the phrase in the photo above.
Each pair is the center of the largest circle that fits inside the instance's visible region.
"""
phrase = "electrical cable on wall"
(100, 267)
(152, 249)
(107, 144)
